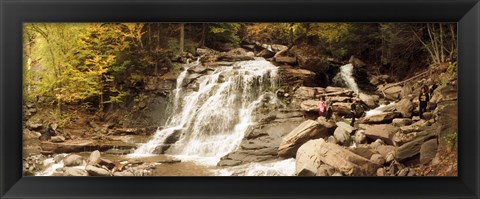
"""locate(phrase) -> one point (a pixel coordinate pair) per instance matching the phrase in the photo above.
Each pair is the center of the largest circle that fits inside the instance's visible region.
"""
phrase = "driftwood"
(402, 82)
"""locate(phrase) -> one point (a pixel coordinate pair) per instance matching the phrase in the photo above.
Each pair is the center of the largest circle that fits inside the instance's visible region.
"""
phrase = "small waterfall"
(380, 109)
(212, 120)
(345, 78)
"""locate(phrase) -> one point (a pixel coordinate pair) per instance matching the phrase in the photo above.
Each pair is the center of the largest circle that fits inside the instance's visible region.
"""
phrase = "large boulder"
(362, 151)
(342, 136)
(345, 161)
(95, 171)
(343, 133)
(384, 117)
(307, 130)
(428, 150)
(393, 92)
(73, 160)
(296, 76)
(384, 132)
(405, 107)
(237, 54)
(94, 158)
(446, 116)
(447, 93)
(411, 148)
(309, 61)
(305, 93)
(360, 137)
(368, 100)
(307, 159)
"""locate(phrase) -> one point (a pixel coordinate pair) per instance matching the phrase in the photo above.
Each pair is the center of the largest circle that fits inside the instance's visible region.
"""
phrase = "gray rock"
(401, 122)
(344, 160)
(305, 131)
(428, 150)
(95, 171)
(393, 93)
(69, 171)
(384, 150)
(368, 100)
(447, 93)
(229, 163)
(73, 160)
(385, 132)
(360, 137)
(410, 149)
(309, 105)
(94, 158)
(342, 136)
(307, 160)
(305, 93)
(57, 139)
(378, 159)
(362, 151)
(405, 107)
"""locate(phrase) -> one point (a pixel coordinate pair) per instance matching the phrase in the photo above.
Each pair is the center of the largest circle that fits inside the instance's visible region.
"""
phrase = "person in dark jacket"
(423, 99)
(329, 108)
(353, 111)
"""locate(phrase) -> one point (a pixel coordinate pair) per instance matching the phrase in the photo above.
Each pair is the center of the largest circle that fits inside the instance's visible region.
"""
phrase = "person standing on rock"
(423, 99)
(353, 111)
(329, 108)
(321, 106)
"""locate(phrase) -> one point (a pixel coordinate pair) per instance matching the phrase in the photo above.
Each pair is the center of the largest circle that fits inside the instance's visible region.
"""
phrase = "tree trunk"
(291, 36)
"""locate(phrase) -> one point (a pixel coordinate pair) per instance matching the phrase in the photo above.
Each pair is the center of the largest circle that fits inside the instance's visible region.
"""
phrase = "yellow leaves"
(331, 32)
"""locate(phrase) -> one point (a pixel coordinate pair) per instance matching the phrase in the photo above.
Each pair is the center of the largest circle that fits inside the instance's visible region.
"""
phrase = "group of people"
(325, 106)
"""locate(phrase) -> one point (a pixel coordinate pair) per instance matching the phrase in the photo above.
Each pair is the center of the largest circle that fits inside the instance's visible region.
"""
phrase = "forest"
(120, 78)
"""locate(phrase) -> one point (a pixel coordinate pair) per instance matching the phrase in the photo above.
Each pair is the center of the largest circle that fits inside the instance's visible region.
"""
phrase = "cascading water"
(345, 78)
(213, 119)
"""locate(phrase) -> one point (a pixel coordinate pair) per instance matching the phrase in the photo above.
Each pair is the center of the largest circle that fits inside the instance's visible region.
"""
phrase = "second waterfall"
(211, 114)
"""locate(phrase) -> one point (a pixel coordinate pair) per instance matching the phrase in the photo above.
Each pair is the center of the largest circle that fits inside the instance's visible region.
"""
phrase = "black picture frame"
(15, 12)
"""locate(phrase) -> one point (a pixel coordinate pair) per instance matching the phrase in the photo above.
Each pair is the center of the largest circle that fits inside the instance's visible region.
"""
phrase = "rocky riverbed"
(286, 136)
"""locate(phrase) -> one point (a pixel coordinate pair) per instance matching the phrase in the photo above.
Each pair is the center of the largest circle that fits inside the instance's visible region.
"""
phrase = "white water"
(346, 74)
(278, 168)
(379, 109)
(51, 167)
(214, 118)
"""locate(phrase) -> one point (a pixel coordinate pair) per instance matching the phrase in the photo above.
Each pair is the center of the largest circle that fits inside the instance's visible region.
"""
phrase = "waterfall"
(344, 78)
(213, 119)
